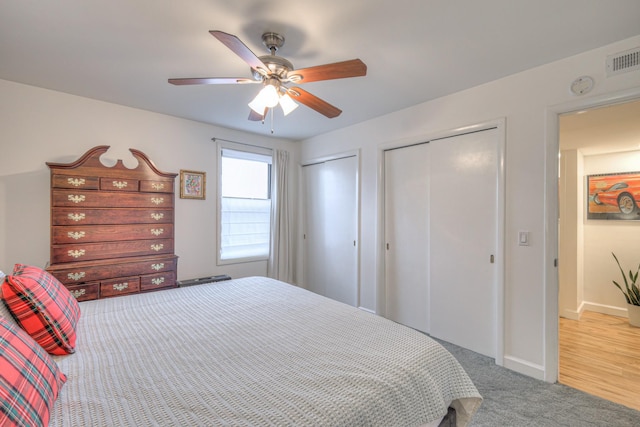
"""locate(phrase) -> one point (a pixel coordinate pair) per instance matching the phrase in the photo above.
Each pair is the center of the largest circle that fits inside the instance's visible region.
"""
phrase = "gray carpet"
(512, 399)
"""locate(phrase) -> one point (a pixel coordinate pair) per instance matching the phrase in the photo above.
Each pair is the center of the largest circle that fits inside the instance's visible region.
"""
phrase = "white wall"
(601, 237)
(40, 125)
(523, 99)
(571, 235)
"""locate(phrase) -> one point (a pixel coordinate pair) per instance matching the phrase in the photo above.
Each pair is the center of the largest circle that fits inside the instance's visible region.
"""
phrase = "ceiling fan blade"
(211, 81)
(240, 49)
(337, 70)
(313, 102)
(255, 117)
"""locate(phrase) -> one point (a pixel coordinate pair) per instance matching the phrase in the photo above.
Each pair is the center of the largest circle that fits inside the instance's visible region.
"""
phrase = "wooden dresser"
(112, 227)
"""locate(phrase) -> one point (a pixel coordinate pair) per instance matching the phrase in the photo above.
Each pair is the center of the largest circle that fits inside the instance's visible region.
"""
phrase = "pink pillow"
(29, 379)
(43, 307)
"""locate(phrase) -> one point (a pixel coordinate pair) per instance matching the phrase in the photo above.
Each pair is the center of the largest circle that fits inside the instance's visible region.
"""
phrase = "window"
(245, 205)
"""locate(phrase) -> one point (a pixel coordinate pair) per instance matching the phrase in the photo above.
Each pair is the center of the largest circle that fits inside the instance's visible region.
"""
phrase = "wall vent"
(623, 62)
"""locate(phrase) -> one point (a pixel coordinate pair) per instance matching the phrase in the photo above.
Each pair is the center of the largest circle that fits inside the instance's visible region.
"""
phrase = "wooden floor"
(600, 354)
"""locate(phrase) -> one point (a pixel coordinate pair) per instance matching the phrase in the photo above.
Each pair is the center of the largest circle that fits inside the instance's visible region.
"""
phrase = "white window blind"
(245, 205)
(245, 226)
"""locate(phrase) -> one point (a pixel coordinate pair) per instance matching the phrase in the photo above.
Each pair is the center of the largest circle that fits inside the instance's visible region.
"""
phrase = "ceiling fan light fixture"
(267, 98)
(287, 104)
(257, 105)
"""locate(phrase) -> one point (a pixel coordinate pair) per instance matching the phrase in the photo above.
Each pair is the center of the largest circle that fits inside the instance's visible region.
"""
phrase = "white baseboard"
(605, 309)
(524, 367)
(367, 310)
(570, 314)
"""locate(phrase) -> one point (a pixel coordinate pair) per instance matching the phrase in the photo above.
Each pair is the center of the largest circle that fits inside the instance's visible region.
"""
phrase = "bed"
(253, 352)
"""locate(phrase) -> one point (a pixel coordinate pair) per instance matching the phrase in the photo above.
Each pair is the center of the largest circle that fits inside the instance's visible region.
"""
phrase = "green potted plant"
(631, 292)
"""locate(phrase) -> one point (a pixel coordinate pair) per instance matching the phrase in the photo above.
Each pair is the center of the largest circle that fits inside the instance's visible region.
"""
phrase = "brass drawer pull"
(157, 247)
(157, 281)
(120, 184)
(157, 267)
(76, 216)
(157, 216)
(77, 293)
(76, 234)
(76, 253)
(157, 186)
(76, 199)
(157, 200)
(120, 286)
(76, 276)
(76, 182)
(157, 231)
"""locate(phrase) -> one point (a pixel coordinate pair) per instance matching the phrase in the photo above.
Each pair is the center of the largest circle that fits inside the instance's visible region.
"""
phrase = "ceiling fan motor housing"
(278, 66)
(273, 41)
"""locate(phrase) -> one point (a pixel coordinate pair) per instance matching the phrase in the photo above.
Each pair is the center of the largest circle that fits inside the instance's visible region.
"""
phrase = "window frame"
(251, 149)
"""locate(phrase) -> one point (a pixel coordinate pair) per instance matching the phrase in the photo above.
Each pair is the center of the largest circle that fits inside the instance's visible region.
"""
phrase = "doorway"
(597, 139)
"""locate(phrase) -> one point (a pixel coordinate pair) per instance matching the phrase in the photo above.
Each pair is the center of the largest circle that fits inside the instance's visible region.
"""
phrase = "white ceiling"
(123, 51)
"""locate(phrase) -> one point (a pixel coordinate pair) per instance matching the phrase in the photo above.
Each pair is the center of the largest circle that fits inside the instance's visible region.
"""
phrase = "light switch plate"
(523, 238)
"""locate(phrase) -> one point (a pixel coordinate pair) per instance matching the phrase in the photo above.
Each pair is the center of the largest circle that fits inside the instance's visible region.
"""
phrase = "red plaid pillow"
(29, 379)
(43, 307)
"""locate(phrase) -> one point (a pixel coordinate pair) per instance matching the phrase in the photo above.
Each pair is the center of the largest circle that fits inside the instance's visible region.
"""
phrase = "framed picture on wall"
(614, 196)
(192, 184)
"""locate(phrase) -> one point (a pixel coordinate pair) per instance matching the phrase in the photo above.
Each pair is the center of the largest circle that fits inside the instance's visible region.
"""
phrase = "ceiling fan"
(274, 72)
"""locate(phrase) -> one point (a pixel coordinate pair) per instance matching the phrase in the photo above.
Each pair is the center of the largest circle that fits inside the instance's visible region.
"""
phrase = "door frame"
(302, 209)
(551, 235)
(500, 125)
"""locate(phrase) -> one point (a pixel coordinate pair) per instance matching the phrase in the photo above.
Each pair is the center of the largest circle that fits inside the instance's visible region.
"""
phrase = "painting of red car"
(614, 196)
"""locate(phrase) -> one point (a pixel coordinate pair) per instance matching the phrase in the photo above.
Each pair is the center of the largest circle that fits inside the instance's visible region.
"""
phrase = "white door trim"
(552, 148)
(500, 125)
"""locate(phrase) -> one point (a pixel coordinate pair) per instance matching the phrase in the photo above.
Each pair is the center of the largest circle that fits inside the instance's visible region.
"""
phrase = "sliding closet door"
(441, 238)
(463, 240)
(330, 236)
(406, 235)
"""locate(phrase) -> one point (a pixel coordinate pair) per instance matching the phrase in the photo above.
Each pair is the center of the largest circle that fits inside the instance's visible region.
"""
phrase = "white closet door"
(331, 262)
(314, 234)
(406, 234)
(463, 238)
(340, 184)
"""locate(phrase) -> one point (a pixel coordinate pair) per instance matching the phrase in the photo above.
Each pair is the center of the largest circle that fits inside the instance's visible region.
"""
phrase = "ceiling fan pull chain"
(271, 111)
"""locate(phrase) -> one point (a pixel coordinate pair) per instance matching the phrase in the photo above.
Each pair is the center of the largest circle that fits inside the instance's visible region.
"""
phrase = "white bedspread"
(253, 352)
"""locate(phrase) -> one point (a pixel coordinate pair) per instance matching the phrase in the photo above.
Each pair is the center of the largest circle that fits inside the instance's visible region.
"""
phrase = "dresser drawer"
(109, 233)
(119, 184)
(157, 281)
(79, 182)
(119, 286)
(86, 291)
(105, 250)
(156, 186)
(81, 272)
(75, 216)
(110, 199)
